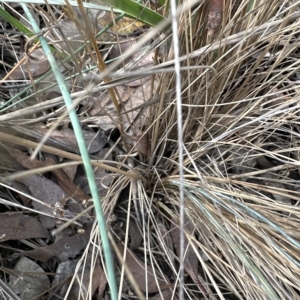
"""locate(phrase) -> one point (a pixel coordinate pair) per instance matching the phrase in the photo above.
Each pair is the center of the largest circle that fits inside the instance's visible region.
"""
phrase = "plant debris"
(239, 73)
(17, 226)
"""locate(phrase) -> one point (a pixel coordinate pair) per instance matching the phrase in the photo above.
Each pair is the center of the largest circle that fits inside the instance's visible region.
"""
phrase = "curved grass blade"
(14, 22)
(85, 157)
(129, 7)
(137, 11)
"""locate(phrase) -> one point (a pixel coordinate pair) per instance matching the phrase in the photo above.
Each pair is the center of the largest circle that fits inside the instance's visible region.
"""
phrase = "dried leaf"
(70, 170)
(190, 260)
(94, 141)
(167, 240)
(63, 249)
(165, 234)
(139, 97)
(104, 105)
(102, 178)
(104, 153)
(69, 33)
(137, 268)
(16, 226)
(46, 191)
(66, 139)
(24, 160)
(164, 295)
(35, 66)
(66, 270)
(123, 27)
(22, 189)
(146, 62)
(102, 281)
(215, 15)
(6, 162)
(140, 141)
(98, 280)
(31, 280)
(65, 183)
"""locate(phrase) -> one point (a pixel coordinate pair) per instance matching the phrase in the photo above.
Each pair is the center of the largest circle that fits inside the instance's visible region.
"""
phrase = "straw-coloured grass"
(240, 110)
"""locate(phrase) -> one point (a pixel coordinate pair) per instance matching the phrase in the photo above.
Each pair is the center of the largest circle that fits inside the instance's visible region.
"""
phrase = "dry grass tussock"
(240, 114)
(240, 104)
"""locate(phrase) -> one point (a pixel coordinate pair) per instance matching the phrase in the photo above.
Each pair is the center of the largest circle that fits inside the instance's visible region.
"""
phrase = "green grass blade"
(129, 7)
(14, 22)
(161, 2)
(136, 11)
(85, 157)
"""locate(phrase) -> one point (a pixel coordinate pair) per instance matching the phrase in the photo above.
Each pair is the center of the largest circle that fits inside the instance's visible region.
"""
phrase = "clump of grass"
(241, 156)
(240, 108)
